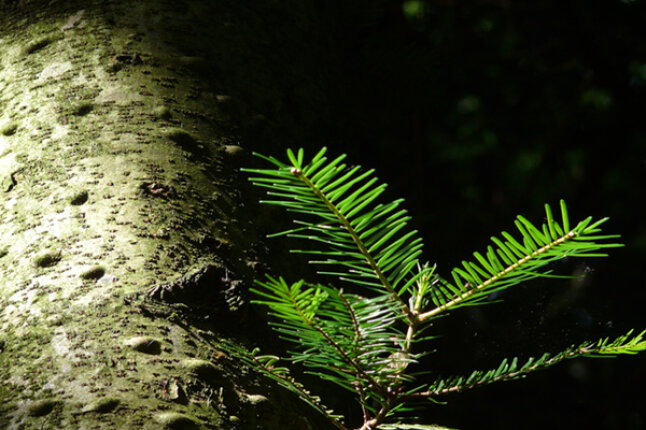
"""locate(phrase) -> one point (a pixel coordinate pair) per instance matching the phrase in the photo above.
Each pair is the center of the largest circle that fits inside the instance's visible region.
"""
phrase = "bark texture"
(126, 245)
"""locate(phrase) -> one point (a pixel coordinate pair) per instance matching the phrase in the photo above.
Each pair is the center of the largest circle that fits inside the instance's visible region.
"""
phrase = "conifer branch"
(301, 310)
(470, 291)
(512, 262)
(358, 342)
(363, 249)
(507, 371)
(265, 364)
(355, 323)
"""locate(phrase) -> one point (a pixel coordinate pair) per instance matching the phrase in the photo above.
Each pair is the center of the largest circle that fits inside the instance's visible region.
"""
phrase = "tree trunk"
(127, 242)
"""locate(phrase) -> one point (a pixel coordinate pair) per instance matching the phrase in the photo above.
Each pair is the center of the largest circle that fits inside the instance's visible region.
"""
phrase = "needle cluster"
(366, 338)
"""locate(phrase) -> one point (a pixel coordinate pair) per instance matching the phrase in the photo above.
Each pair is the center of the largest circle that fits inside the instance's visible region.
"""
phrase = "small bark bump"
(93, 273)
(144, 344)
(203, 369)
(176, 421)
(233, 150)
(40, 408)
(162, 112)
(47, 258)
(102, 405)
(9, 128)
(36, 45)
(79, 197)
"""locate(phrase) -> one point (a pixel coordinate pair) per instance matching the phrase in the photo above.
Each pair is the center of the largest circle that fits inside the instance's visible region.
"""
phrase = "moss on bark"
(117, 148)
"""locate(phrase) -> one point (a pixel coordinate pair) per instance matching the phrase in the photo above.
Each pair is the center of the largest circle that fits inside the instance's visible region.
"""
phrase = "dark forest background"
(474, 112)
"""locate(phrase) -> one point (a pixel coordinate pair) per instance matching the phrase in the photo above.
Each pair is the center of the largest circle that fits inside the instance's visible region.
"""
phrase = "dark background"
(475, 112)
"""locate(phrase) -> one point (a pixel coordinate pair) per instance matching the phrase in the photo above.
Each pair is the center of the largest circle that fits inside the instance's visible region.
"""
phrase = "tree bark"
(127, 242)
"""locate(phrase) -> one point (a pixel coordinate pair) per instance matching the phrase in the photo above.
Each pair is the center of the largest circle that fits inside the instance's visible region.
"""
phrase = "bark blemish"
(102, 405)
(162, 112)
(41, 408)
(9, 128)
(200, 368)
(144, 344)
(183, 138)
(47, 258)
(79, 197)
(233, 150)
(36, 45)
(73, 20)
(81, 108)
(93, 273)
(176, 421)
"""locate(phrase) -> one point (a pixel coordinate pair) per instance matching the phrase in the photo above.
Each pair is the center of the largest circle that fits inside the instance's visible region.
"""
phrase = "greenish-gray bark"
(126, 245)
